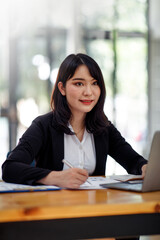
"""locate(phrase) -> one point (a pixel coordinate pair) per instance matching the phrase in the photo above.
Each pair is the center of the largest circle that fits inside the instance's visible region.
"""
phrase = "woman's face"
(82, 91)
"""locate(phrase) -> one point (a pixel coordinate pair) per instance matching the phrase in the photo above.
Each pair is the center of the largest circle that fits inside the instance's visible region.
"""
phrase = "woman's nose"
(88, 90)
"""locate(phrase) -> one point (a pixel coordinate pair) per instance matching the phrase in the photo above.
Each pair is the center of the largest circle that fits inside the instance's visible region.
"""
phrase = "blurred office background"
(123, 36)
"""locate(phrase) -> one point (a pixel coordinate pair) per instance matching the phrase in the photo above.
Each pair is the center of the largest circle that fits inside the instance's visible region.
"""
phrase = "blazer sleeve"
(123, 153)
(17, 168)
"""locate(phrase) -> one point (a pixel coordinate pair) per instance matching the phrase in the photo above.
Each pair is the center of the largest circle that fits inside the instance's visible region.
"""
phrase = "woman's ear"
(61, 88)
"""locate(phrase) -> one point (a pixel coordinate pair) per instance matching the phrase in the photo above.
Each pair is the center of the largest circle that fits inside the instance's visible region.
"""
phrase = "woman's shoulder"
(109, 127)
(45, 119)
(47, 116)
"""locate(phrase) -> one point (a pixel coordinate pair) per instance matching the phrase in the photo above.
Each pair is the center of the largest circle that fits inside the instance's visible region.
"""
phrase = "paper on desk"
(94, 182)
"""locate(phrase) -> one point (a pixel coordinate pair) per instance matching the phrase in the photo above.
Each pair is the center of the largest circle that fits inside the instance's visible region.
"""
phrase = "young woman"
(76, 130)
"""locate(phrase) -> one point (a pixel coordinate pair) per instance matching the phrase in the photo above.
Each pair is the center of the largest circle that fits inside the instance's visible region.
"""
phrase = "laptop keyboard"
(124, 186)
(136, 186)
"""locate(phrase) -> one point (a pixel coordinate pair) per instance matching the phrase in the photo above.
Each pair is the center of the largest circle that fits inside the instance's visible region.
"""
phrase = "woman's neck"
(78, 125)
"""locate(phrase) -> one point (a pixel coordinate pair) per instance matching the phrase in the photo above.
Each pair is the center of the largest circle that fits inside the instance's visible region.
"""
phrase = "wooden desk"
(82, 214)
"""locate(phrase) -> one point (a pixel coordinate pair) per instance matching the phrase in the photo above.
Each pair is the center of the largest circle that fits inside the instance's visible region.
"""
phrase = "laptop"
(151, 181)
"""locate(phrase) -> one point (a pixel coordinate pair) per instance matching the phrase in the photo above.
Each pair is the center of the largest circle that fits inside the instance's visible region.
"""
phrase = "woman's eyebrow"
(82, 79)
(78, 79)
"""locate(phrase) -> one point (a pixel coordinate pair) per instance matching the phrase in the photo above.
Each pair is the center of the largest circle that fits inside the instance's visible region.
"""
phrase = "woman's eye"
(95, 83)
(79, 84)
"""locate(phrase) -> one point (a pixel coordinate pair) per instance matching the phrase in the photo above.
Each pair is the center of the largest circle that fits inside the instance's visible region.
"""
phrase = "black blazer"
(45, 143)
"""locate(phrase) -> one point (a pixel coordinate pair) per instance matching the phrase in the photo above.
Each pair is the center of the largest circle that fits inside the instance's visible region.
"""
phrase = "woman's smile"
(86, 102)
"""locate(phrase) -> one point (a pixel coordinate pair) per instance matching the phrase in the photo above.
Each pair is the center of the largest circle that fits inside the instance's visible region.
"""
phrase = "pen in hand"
(70, 165)
(67, 163)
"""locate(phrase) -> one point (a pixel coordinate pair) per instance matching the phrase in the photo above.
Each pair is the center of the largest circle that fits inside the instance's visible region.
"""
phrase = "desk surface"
(75, 204)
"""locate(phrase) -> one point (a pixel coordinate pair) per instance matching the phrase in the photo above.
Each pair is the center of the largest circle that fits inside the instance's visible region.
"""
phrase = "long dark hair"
(96, 121)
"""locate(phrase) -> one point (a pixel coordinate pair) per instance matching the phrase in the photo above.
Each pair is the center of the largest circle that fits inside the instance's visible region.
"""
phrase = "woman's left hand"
(144, 167)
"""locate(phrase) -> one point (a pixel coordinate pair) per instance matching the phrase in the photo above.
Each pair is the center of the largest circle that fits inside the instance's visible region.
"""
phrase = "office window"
(115, 34)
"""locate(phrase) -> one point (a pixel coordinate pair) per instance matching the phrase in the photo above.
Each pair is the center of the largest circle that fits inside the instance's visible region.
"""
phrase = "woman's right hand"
(70, 178)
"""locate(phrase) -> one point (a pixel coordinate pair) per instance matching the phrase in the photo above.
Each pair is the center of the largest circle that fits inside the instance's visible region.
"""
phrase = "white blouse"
(80, 154)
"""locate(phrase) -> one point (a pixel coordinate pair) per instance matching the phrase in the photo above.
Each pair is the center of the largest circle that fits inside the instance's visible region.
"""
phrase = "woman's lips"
(86, 102)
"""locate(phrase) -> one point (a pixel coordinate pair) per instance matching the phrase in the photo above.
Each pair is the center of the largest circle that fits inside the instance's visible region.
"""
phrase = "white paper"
(94, 182)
